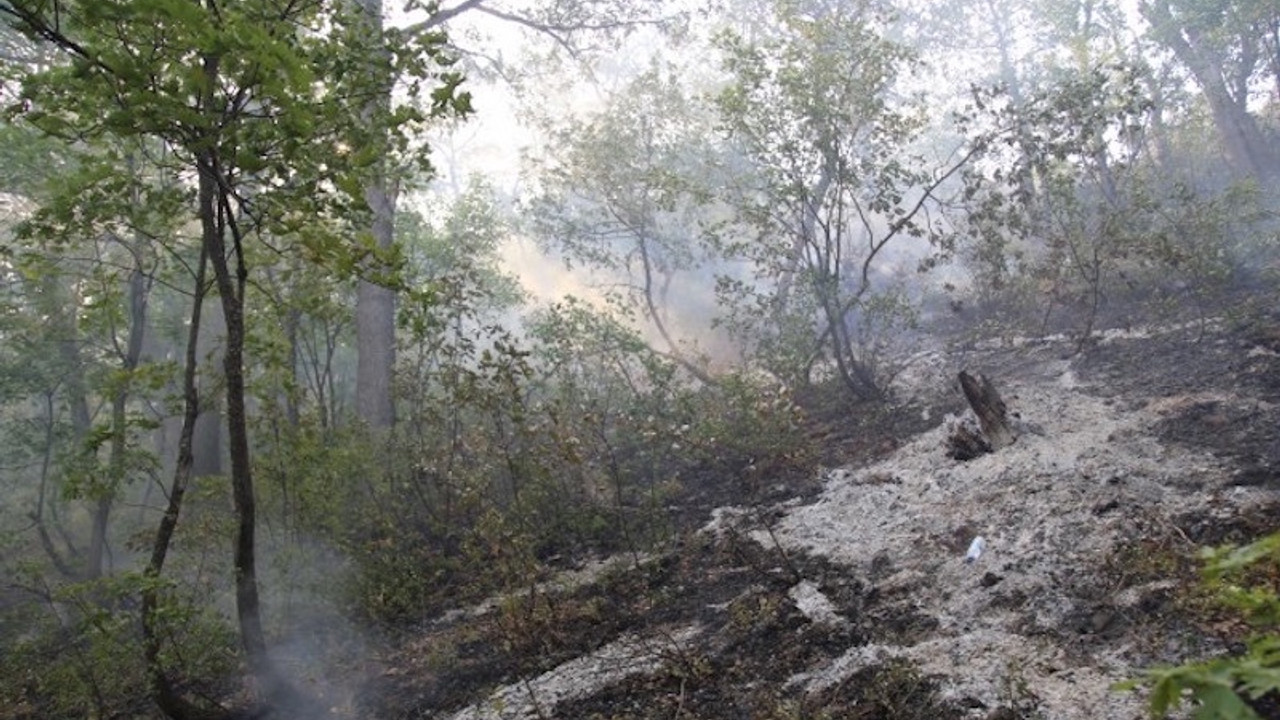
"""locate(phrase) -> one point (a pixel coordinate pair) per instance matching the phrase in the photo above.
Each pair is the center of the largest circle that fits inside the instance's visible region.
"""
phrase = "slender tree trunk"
(809, 221)
(999, 18)
(65, 332)
(76, 394)
(230, 291)
(854, 371)
(218, 222)
(163, 693)
(652, 308)
(215, 223)
(376, 354)
(64, 568)
(1160, 134)
(117, 466)
(207, 445)
(292, 326)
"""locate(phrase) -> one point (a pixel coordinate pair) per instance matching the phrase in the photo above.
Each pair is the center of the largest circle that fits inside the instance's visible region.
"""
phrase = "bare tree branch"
(442, 16)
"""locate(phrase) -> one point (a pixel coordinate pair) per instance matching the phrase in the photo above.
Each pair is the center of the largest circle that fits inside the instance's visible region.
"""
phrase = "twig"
(533, 698)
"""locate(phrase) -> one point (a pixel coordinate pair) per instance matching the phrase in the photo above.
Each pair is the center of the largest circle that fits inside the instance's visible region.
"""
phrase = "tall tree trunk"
(1000, 19)
(60, 563)
(66, 333)
(215, 222)
(207, 445)
(376, 304)
(292, 326)
(810, 217)
(77, 395)
(1160, 134)
(63, 302)
(1241, 137)
(376, 332)
(230, 291)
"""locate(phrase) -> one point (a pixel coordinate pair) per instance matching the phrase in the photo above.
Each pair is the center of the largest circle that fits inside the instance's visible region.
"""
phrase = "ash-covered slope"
(1086, 477)
(859, 603)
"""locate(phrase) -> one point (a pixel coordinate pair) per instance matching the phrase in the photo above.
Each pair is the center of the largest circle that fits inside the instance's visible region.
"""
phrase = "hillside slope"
(858, 602)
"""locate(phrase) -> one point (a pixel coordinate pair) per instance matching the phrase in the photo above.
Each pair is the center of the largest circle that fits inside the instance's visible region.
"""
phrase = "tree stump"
(992, 414)
(965, 441)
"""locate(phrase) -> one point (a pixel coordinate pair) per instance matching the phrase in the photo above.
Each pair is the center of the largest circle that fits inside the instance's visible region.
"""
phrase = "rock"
(1106, 507)
(881, 566)
(815, 605)
(1101, 620)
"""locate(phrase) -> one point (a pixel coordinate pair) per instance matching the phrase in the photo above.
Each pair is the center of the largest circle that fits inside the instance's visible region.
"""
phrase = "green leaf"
(1165, 694)
(1218, 702)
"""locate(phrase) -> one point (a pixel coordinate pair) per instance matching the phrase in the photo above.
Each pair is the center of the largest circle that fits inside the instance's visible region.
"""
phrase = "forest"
(322, 321)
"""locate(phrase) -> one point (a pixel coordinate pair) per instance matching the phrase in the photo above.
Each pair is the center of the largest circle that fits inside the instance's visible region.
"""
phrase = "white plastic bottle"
(975, 549)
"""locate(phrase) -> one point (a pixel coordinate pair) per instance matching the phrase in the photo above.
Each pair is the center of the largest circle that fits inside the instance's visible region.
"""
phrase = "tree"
(258, 101)
(88, 245)
(166, 696)
(576, 27)
(1095, 213)
(831, 188)
(621, 194)
(1227, 45)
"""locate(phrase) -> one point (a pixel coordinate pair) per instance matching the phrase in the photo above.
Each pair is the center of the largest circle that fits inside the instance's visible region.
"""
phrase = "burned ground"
(844, 593)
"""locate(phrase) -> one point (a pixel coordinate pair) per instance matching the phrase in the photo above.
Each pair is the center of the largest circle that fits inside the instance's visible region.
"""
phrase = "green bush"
(515, 456)
(82, 656)
(1246, 580)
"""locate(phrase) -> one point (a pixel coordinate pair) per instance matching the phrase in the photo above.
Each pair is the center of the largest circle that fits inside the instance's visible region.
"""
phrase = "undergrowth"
(1244, 685)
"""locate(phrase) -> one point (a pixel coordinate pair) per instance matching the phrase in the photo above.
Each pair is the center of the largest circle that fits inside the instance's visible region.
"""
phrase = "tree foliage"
(622, 193)
(260, 103)
(831, 189)
(1232, 49)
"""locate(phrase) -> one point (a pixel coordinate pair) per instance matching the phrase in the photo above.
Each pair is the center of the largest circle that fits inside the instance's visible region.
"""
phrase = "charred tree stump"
(992, 414)
(965, 442)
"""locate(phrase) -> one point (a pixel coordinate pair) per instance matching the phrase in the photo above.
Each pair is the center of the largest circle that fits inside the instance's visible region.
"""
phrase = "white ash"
(580, 677)
(1036, 503)
(814, 605)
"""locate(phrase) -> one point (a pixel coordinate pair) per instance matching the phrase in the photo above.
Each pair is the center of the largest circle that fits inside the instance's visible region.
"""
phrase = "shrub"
(1245, 579)
(82, 656)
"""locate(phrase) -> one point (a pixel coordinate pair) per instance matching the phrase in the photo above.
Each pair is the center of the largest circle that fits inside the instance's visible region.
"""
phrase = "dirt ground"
(847, 595)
